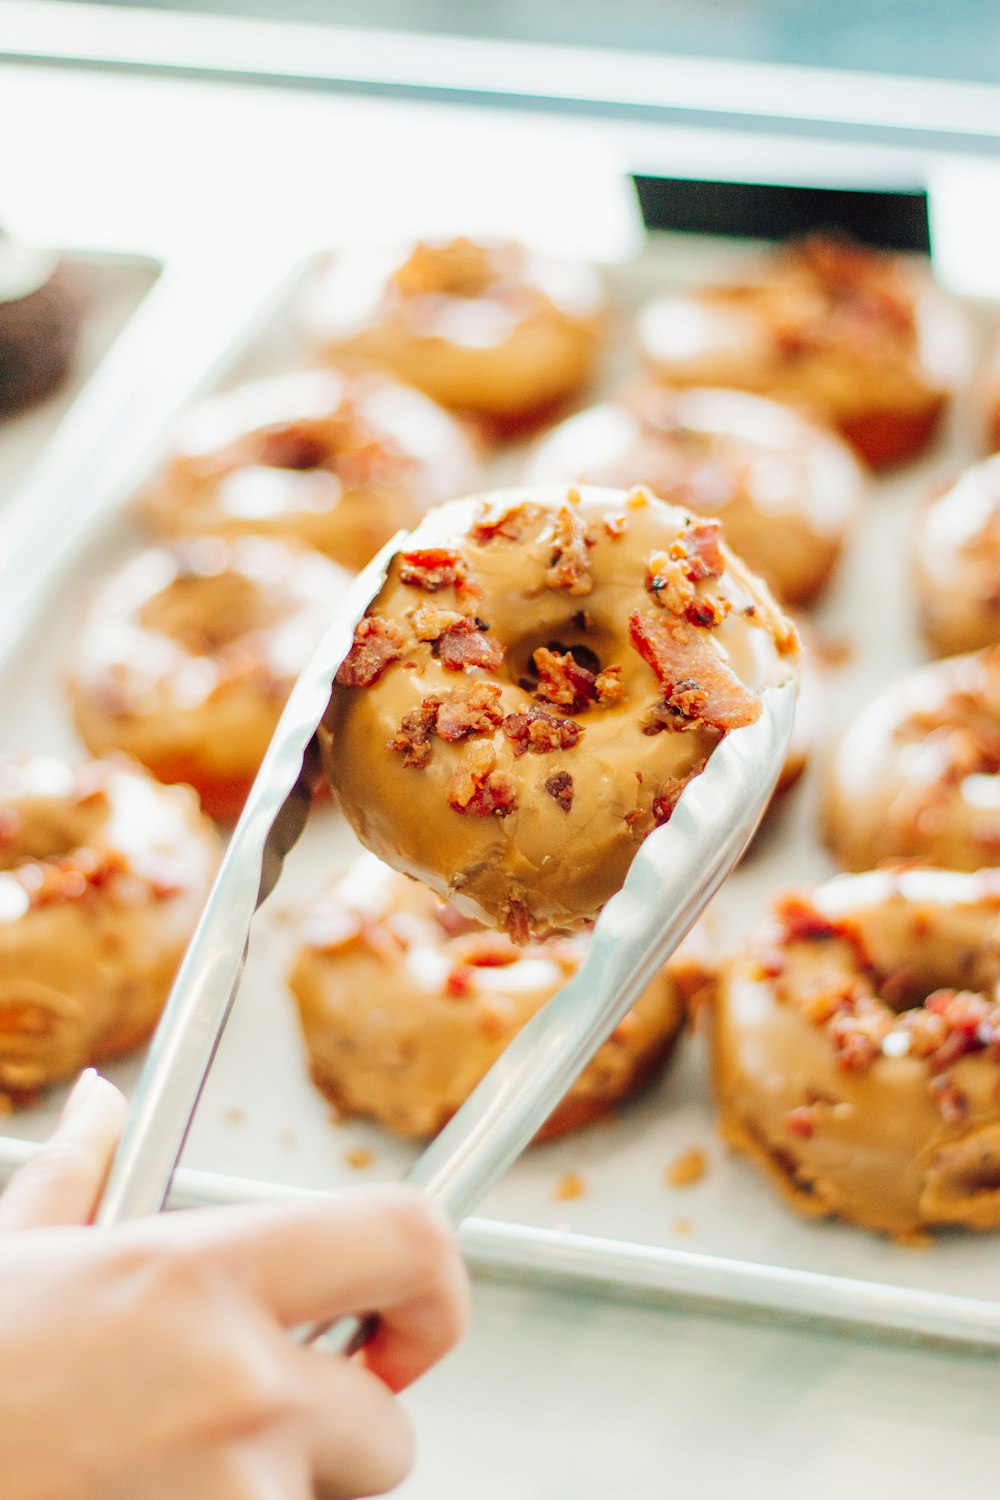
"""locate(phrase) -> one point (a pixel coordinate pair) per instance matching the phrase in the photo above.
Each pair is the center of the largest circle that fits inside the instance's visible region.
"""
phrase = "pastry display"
(529, 693)
(103, 874)
(405, 1004)
(855, 1056)
(785, 489)
(338, 461)
(42, 303)
(187, 655)
(862, 338)
(917, 775)
(487, 328)
(957, 563)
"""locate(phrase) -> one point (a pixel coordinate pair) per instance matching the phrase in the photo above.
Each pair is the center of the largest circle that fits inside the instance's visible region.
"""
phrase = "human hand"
(153, 1359)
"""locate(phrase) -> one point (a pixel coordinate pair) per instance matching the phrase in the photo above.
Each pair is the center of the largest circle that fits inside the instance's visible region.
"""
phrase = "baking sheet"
(727, 1235)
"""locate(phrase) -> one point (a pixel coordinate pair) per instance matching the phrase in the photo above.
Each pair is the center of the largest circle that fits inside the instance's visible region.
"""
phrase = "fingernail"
(79, 1094)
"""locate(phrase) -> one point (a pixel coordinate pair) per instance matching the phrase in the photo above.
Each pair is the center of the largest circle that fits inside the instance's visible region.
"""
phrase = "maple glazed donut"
(785, 489)
(856, 1049)
(187, 657)
(336, 460)
(862, 338)
(957, 563)
(103, 875)
(917, 775)
(405, 1004)
(487, 328)
(541, 674)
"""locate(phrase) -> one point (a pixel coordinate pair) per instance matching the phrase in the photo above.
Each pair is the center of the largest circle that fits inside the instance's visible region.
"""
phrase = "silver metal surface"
(673, 876)
(187, 1037)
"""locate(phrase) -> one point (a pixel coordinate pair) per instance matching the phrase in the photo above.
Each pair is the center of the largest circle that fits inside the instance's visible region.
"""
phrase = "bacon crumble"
(476, 788)
(412, 739)
(569, 566)
(560, 789)
(465, 644)
(683, 656)
(433, 569)
(377, 644)
(540, 732)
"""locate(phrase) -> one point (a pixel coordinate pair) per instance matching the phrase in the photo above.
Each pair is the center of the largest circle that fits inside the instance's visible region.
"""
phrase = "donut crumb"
(359, 1158)
(686, 1169)
(570, 1185)
(683, 1226)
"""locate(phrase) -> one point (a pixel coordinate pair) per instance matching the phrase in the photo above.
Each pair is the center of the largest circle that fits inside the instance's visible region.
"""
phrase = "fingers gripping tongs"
(672, 877)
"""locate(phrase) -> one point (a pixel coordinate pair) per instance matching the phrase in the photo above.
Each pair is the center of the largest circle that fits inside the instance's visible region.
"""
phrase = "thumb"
(62, 1182)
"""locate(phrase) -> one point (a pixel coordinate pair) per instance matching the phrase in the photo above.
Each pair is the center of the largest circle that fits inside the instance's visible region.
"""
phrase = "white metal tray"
(263, 1130)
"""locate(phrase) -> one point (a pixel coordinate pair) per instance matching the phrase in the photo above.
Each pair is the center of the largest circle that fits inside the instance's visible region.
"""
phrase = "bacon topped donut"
(339, 461)
(861, 337)
(405, 1004)
(103, 874)
(532, 688)
(187, 656)
(917, 775)
(856, 1048)
(487, 328)
(958, 562)
(785, 489)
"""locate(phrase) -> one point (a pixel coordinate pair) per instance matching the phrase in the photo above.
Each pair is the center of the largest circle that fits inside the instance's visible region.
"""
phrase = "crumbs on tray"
(686, 1169)
(570, 1185)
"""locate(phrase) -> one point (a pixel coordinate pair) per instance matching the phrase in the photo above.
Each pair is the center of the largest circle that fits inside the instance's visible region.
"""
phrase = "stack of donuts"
(545, 669)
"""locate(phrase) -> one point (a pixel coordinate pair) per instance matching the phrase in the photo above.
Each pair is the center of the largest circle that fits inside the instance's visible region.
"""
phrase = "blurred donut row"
(764, 400)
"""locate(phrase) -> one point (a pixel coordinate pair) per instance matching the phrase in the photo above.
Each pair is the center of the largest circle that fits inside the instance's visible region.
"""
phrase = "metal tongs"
(674, 874)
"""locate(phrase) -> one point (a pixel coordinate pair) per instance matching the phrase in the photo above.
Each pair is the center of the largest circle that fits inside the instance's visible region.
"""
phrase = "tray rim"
(101, 482)
(660, 87)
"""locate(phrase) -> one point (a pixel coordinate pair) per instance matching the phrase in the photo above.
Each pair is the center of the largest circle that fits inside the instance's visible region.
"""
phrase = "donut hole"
(459, 268)
(206, 612)
(292, 446)
(56, 816)
(561, 670)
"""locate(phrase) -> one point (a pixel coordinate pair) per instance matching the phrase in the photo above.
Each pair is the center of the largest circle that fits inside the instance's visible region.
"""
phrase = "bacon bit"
(477, 789)
(951, 1101)
(466, 645)
(699, 547)
(858, 1039)
(359, 1158)
(837, 998)
(490, 950)
(377, 644)
(540, 732)
(615, 527)
(570, 1185)
(52, 881)
(560, 789)
(569, 564)
(459, 983)
(430, 622)
(683, 657)
(511, 523)
(562, 681)
(412, 739)
(608, 687)
(686, 1169)
(433, 569)
(801, 1120)
(801, 922)
(291, 446)
(668, 794)
(769, 963)
(517, 922)
(469, 711)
